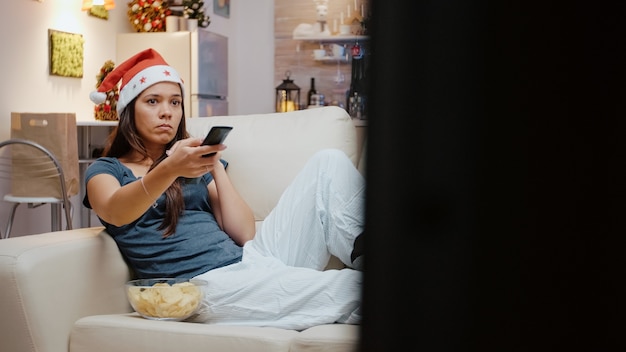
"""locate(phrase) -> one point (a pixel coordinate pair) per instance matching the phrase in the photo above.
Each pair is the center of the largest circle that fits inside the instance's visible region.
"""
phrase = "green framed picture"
(221, 8)
(66, 53)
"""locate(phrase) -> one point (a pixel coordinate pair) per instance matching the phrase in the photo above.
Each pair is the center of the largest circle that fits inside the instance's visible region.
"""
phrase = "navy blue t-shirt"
(198, 244)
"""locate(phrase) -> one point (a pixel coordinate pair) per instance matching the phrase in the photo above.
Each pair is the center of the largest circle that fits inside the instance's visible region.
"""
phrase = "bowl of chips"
(172, 299)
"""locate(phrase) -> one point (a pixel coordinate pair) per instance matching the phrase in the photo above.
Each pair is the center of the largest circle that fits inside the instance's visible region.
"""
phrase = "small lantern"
(287, 95)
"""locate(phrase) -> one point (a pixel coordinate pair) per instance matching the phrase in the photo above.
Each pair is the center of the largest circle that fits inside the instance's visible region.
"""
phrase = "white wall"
(29, 88)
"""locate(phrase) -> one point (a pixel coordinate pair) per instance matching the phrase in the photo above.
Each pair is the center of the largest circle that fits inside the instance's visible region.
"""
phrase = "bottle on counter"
(311, 93)
(356, 97)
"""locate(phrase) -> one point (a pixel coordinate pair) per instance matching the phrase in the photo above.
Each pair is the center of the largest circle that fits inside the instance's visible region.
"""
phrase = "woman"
(174, 213)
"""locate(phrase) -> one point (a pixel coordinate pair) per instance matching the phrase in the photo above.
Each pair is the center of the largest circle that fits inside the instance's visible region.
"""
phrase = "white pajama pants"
(280, 282)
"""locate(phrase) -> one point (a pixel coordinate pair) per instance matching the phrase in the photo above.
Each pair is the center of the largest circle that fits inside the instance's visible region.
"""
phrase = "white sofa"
(63, 291)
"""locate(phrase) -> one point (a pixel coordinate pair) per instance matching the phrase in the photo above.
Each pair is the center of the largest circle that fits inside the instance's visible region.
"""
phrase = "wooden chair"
(29, 163)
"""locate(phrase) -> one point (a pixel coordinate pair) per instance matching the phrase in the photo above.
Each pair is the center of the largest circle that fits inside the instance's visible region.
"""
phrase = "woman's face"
(158, 112)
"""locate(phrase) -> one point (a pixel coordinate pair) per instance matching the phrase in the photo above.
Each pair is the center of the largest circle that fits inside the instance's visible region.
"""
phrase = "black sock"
(359, 246)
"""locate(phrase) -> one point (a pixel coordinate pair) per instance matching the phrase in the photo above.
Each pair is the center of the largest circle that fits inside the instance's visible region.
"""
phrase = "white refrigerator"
(200, 57)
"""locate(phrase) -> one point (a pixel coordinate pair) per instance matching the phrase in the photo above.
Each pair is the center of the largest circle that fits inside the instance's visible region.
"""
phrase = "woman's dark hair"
(124, 138)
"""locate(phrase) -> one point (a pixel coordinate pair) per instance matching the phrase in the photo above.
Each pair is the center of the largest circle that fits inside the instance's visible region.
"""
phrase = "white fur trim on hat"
(97, 97)
(144, 79)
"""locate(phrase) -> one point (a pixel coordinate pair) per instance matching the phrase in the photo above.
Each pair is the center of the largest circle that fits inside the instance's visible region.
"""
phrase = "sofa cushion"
(132, 333)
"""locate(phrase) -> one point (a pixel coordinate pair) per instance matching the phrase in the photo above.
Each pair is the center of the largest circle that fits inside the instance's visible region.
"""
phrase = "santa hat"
(137, 73)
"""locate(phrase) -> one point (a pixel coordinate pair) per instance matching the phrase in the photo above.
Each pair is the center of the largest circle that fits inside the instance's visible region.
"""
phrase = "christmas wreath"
(194, 9)
(148, 15)
(108, 110)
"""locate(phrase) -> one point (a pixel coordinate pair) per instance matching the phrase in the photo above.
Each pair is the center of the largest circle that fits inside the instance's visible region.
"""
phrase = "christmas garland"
(148, 15)
(107, 110)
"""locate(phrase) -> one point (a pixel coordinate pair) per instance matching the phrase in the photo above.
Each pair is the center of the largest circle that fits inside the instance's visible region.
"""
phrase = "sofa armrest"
(51, 280)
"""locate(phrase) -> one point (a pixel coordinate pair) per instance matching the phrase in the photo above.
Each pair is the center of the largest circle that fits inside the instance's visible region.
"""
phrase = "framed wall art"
(221, 8)
(66, 53)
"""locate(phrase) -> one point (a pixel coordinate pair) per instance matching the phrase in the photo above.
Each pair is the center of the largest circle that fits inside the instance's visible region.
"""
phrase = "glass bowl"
(173, 299)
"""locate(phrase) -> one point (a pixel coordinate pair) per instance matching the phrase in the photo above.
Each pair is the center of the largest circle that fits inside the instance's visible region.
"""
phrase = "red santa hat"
(137, 73)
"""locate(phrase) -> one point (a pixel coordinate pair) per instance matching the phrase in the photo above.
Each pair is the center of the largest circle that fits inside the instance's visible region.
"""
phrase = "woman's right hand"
(186, 159)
